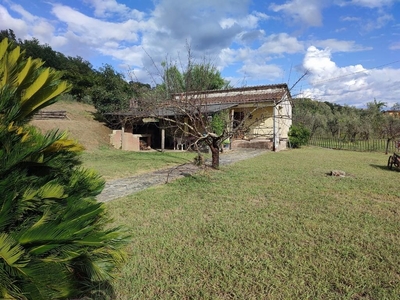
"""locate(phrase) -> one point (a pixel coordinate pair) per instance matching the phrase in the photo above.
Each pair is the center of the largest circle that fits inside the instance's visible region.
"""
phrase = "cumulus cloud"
(281, 43)
(352, 85)
(108, 8)
(20, 27)
(95, 30)
(304, 12)
(205, 22)
(261, 71)
(30, 26)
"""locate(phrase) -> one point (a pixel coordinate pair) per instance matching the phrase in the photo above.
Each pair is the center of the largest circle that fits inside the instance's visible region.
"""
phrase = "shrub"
(55, 238)
(298, 136)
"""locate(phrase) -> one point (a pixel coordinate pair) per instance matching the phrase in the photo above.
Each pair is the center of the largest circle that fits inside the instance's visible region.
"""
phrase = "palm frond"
(11, 252)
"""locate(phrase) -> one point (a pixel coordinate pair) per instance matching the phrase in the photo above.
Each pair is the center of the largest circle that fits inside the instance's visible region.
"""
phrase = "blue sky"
(350, 48)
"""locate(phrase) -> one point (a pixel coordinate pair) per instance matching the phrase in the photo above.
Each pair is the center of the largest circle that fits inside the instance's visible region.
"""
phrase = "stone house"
(264, 113)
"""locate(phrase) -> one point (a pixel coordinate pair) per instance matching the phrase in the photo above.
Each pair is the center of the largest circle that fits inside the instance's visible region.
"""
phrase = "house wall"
(130, 142)
(284, 118)
(261, 126)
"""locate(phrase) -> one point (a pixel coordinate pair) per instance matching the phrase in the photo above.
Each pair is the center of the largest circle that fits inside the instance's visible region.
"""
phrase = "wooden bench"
(50, 114)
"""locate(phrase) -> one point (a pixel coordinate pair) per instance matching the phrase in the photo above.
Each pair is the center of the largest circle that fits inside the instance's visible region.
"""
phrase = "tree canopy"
(345, 122)
(196, 77)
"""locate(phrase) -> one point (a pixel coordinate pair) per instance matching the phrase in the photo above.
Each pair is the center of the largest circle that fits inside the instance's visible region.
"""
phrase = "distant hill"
(80, 125)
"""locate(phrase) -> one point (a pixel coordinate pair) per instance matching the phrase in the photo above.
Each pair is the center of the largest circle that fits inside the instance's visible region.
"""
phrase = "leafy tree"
(34, 49)
(204, 77)
(196, 77)
(344, 122)
(173, 80)
(55, 238)
(110, 93)
(312, 115)
(81, 75)
(9, 34)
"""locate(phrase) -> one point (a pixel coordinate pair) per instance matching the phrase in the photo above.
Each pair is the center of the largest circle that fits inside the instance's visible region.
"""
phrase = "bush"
(55, 238)
(298, 136)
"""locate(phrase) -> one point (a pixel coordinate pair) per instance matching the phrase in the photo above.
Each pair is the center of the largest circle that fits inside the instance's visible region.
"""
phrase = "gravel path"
(126, 186)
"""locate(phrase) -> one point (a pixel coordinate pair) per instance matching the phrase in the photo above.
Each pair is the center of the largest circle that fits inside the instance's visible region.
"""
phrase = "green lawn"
(273, 227)
(113, 163)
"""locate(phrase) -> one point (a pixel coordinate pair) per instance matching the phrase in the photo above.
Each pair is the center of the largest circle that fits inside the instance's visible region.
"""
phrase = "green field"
(273, 227)
(113, 163)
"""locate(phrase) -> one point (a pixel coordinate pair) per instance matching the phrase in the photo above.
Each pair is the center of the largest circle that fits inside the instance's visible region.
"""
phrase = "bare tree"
(190, 103)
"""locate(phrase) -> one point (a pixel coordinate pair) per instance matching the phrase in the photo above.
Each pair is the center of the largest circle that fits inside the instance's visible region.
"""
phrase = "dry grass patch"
(81, 124)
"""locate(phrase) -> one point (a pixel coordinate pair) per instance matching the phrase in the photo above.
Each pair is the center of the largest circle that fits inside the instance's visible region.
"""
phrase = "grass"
(273, 227)
(113, 163)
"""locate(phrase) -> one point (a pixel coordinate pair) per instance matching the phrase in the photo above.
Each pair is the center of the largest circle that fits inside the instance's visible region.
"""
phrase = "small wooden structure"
(50, 114)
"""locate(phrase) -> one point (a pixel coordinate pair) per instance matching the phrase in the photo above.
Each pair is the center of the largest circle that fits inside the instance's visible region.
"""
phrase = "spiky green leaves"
(25, 87)
(55, 238)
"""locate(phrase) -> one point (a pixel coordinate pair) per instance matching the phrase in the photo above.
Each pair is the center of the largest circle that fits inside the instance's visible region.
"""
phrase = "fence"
(50, 114)
(371, 145)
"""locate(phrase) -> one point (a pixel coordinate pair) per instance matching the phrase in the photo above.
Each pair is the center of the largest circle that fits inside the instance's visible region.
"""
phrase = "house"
(394, 113)
(263, 112)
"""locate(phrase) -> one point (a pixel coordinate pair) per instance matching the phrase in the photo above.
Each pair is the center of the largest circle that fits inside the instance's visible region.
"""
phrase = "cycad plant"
(56, 241)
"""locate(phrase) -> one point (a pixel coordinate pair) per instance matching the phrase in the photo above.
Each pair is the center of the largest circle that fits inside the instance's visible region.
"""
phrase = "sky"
(341, 51)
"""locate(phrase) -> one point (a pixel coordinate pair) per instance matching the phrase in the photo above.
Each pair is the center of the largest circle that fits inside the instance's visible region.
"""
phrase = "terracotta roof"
(213, 101)
(264, 93)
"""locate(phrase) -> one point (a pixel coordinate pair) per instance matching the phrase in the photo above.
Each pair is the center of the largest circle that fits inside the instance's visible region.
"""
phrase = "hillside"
(80, 125)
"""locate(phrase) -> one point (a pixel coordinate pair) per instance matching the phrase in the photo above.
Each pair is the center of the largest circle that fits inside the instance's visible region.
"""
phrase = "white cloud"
(281, 43)
(382, 20)
(19, 26)
(351, 85)
(108, 8)
(261, 71)
(340, 46)
(25, 15)
(95, 31)
(350, 19)
(204, 23)
(304, 12)
(372, 3)
(29, 26)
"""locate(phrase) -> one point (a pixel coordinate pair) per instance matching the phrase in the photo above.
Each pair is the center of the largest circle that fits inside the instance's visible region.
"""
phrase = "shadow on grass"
(381, 167)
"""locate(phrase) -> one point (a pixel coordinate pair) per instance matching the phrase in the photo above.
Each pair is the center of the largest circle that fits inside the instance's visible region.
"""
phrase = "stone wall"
(257, 144)
(131, 143)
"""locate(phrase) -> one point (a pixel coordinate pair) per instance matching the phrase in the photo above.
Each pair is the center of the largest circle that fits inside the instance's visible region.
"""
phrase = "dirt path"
(126, 186)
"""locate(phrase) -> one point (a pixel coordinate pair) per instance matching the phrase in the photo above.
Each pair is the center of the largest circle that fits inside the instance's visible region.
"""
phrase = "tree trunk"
(214, 147)
(387, 145)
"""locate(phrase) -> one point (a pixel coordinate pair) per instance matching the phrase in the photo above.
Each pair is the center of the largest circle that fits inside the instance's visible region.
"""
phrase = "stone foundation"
(257, 144)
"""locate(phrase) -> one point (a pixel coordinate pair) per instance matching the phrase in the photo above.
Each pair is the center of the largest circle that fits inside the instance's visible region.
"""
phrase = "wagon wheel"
(390, 162)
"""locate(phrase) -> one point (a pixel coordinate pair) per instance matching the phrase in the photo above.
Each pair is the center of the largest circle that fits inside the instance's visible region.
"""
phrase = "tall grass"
(273, 227)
